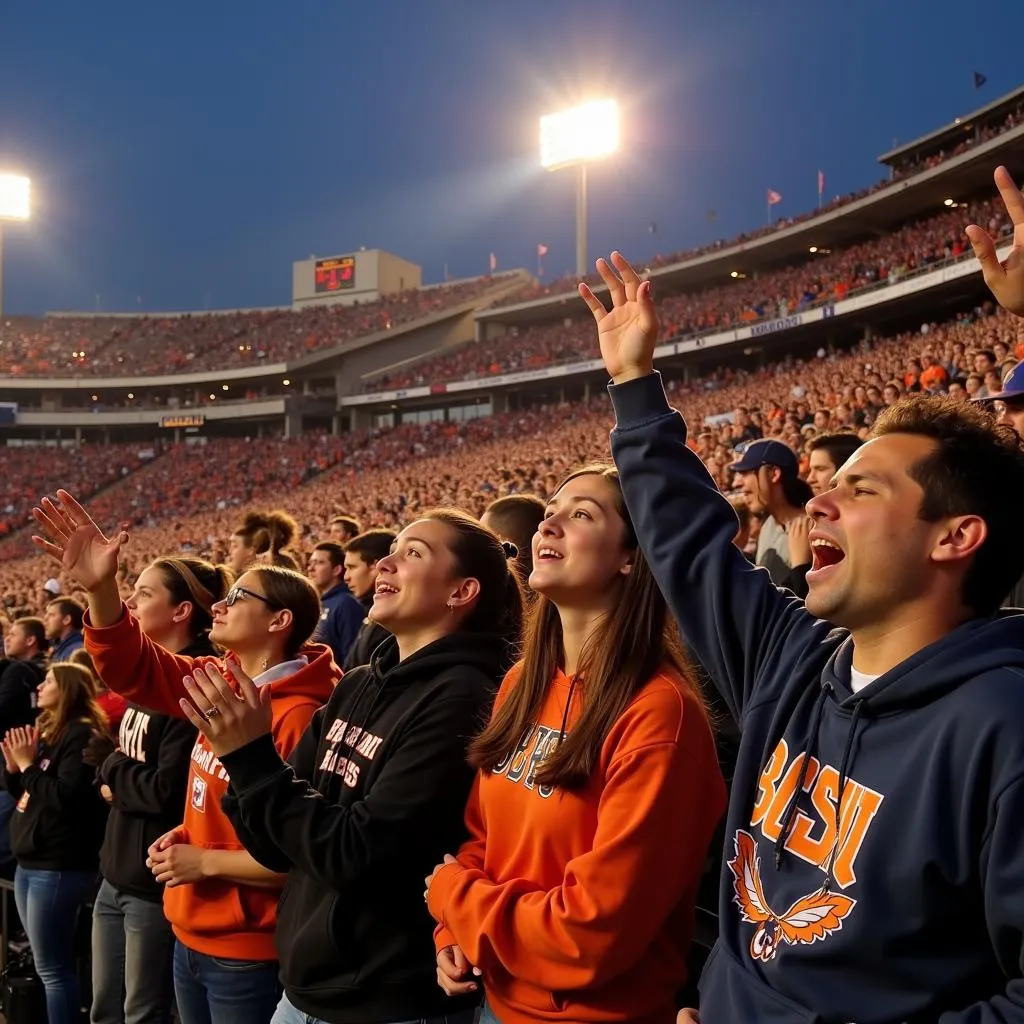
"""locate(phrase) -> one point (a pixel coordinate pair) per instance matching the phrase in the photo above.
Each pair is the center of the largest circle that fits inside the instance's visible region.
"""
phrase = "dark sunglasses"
(237, 593)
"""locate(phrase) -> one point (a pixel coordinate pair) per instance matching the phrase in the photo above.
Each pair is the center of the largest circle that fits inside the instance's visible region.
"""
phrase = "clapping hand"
(628, 332)
(1006, 279)
(20, 747)
(227, 719)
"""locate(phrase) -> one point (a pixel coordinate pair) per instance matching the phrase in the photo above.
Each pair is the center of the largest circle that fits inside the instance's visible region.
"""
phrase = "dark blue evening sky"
(184, 154)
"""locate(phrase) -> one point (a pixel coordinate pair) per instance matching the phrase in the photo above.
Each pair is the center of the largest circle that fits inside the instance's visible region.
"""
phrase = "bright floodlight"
(15, 193)
(580, 134)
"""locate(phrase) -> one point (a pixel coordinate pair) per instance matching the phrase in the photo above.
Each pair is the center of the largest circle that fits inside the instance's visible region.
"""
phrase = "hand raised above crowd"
(1005, 279)
(81, 547)
(628, 332)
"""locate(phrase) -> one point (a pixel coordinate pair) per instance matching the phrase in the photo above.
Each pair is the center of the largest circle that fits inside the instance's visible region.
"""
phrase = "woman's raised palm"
(628, 332)
(80, 546)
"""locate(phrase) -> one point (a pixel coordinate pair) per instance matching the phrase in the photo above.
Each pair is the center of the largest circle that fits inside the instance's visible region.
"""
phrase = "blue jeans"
(487, 1015)
(287, 1014)
(132, 945)
(48, 903)
(212, 990)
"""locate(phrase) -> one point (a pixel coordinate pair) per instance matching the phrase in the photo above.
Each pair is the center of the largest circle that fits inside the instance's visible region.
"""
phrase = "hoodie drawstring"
(568, 705)
(810, 749)
(843, 779)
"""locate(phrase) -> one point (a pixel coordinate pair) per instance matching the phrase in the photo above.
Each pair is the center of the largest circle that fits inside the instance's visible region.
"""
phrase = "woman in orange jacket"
(597, 795)
(222, 904)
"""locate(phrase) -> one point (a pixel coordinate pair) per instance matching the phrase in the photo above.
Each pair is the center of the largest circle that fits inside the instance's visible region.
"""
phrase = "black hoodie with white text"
(371, 800)
(148, 777)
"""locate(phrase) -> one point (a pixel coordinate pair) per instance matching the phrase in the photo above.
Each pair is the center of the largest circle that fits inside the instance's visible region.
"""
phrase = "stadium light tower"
(15, 204)
(575, 138)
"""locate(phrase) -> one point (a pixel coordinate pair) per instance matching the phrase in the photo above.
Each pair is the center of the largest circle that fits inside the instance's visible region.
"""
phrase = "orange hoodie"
(214, 916)
(578, 906)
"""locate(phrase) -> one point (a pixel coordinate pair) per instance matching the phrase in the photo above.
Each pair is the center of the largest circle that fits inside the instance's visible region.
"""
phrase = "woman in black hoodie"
(57, 827)
(144, 780)
(378, 783)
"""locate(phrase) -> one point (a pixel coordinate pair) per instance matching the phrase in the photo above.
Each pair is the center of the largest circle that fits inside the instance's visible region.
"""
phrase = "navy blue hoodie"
(341, 618)
(910, 907)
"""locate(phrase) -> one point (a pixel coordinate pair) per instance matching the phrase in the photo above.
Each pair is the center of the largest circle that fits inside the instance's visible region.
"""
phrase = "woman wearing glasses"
(145, 782)
(221, 903)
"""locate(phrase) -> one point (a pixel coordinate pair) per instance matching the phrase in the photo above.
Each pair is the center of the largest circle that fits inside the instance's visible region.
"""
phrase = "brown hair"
(371, 546)
(69, 609)
(478, 553)
(637, 639)
(33, 627)
(350, 525)
(286, 588)
(271, 534)
(200, 583)
(77, 703)
(976, 468)
(516, 516)
(838, 446)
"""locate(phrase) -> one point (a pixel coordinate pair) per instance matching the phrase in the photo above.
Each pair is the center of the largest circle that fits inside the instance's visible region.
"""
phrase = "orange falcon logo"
(811, 918)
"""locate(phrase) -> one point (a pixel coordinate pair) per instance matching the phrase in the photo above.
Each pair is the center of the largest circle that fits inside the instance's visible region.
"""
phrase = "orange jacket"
(578, 906)
(214, 916)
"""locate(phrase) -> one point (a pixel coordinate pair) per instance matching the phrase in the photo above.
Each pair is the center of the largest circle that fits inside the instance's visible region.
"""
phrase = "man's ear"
(961, 538)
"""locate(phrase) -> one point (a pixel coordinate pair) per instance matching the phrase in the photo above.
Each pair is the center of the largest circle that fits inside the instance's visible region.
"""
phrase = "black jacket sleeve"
(68, 779)
(741, 628)
(333, 843)
(17, 682)
(303, 763)
(13, 783)
(153, 790)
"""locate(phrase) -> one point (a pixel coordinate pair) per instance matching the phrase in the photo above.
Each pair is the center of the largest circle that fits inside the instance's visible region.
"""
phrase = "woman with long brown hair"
(57, 827)
(597, 796)
(375, 791)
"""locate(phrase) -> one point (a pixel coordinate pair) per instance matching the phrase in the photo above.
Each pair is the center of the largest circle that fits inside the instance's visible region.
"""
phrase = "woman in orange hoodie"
(221, 903)
(597, 796)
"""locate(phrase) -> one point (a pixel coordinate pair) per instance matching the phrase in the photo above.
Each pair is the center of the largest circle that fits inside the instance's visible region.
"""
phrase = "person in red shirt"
(597, 797)
(222, 904)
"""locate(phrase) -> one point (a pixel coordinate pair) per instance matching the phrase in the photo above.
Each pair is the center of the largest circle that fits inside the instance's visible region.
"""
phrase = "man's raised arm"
(732, 618)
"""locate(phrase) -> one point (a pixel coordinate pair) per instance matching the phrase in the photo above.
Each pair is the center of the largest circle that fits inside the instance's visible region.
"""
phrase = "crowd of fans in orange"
(828, 278)
(191, 497)
(112, 346)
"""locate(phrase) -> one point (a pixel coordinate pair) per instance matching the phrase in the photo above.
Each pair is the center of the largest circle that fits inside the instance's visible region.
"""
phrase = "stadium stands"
(59, 346)
(827, 279)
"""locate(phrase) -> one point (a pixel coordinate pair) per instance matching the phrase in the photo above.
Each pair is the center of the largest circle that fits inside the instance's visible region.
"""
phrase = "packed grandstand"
(192, 434)
(757, 322)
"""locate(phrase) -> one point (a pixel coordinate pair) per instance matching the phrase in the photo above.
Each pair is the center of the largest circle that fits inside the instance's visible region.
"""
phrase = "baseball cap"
(52, 586)
(1013, 387)
(766, 452)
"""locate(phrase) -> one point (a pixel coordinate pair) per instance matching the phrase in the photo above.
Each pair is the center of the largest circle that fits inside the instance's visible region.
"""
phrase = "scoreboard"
(335, 274)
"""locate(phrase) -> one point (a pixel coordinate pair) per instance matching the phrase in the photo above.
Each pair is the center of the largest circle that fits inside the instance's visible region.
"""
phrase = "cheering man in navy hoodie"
(874, 867)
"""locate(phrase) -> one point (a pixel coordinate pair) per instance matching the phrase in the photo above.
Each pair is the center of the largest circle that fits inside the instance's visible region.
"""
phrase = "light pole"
(15, 204)
(574, 138)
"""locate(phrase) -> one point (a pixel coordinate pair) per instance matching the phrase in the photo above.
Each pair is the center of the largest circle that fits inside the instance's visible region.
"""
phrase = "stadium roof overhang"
(872, 216)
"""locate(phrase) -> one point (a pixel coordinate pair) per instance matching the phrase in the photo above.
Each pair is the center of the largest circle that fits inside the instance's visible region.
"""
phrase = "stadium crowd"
(907, 168)
(99, 345)
(824, 280)
(275, 842)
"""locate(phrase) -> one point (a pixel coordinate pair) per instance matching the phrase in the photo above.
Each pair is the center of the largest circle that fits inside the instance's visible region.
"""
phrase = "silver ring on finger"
(213, 712)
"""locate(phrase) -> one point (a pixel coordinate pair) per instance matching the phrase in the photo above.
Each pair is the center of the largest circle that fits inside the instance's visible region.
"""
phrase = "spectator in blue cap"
(1008, 406)
(769, 475)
